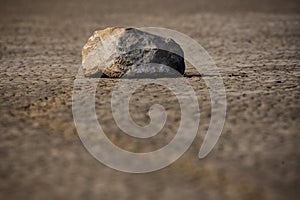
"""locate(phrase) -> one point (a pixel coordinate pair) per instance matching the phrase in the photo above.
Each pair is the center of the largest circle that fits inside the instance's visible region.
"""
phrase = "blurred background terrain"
(255, 45)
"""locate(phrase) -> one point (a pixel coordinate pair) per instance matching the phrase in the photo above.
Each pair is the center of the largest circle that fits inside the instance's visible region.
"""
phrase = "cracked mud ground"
(256, 48)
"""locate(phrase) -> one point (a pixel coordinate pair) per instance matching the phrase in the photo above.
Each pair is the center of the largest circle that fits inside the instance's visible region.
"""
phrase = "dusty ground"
(256, 46)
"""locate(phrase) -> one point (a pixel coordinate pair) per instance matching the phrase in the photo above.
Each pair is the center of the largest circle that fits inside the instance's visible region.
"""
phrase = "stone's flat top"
(106, 33)
(254, 43)
(102, 35)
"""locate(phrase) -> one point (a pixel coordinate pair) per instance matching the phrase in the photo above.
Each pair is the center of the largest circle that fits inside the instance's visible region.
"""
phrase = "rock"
(114, 52)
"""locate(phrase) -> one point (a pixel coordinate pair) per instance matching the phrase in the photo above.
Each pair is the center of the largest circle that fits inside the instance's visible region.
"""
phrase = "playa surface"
(255, 45)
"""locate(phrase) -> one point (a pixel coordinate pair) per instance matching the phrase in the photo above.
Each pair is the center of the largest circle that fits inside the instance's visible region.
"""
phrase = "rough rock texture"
(114, 52)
